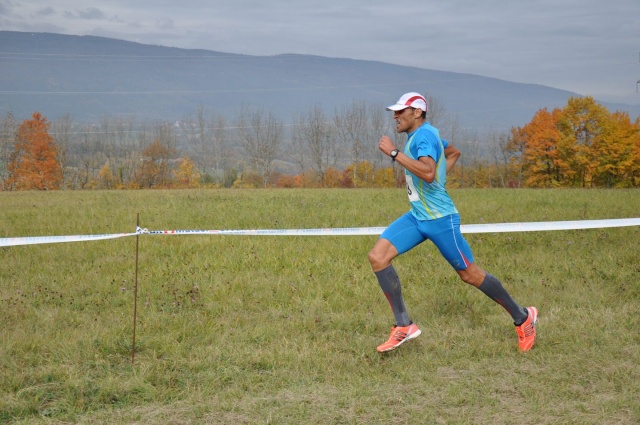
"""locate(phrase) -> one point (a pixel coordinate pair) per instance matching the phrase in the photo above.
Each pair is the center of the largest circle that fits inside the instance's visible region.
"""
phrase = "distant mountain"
(92, 77)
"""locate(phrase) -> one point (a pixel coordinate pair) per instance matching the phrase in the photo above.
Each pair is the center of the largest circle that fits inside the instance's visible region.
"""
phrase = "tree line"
(579, 145)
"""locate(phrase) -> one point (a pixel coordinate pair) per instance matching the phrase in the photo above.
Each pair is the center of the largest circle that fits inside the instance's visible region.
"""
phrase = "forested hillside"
(90, 78)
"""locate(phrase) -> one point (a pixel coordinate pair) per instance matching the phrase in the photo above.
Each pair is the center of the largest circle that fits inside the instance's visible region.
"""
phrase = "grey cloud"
(45, 11)
(90, 13)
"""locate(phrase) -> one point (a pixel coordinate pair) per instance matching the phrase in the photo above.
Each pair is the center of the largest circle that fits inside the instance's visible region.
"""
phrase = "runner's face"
(406, 120)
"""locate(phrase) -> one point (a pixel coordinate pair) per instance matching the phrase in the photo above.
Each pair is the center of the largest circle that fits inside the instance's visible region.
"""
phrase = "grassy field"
(283, 330)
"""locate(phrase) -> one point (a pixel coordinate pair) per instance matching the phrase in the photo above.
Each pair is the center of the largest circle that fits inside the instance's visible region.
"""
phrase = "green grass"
(283, 330)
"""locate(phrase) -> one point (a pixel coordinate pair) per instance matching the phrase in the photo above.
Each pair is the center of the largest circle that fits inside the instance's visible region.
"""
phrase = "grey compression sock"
(390, 284)
(492, 288)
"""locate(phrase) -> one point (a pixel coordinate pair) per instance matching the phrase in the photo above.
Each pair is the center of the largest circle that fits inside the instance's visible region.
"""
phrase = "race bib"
(411, 189)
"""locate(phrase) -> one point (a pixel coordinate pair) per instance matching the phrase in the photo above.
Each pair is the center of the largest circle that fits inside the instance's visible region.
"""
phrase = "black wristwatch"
(393, 154)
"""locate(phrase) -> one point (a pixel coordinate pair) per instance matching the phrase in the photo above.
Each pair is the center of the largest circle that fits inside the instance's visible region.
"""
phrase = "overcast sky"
(591, 47)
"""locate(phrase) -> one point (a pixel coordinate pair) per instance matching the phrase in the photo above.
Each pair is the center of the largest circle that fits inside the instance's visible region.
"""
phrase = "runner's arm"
(451, 154)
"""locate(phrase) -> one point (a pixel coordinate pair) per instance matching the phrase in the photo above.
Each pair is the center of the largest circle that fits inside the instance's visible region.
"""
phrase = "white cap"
(410, 100)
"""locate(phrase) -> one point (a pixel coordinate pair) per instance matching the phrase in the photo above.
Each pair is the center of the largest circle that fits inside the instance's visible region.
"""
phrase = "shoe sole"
(413, 335)
(535, 319)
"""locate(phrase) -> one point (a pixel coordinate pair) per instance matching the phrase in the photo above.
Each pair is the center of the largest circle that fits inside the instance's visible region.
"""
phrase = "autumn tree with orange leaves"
(580, 145)
(34, 162)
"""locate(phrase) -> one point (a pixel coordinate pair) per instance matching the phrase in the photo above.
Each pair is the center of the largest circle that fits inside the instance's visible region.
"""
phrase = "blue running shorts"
(407, 232)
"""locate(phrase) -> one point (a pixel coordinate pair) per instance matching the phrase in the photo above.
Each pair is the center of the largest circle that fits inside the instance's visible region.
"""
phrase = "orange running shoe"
(399, 335)
(527, 331)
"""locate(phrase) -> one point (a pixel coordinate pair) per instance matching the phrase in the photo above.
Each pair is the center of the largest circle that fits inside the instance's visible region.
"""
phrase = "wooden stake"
(135, 295)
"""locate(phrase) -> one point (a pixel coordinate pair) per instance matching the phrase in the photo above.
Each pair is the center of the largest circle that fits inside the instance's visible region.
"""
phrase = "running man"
(426, 160)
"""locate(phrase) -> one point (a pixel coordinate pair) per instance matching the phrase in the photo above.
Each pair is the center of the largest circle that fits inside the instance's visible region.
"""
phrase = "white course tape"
(465, 228)
(548, 225)
(59, 239)
(345, 231)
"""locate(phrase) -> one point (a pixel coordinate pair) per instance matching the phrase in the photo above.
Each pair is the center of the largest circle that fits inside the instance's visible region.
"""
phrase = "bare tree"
(8, 129)
(300, 149)
(88, 157)
(200, 137)
(469, 146)
(125, 145)
(513, 148)
(351, 131)
(62, 132)
(316, 135)
(437, 115)
(377, 127)
(498, 142)
(164, 133)
(223, 158)
(260, 138)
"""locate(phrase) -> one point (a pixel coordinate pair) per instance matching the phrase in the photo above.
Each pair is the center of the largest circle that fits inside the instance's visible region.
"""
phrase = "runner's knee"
(376, 259)
(473, 275)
